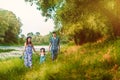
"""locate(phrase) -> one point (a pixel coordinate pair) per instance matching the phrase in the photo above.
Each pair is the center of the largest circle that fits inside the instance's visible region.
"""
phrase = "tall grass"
(11, 69)
(99, 61)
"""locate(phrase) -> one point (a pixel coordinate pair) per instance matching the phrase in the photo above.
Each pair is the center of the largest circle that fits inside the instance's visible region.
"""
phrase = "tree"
(30, 34)
(37, 33)
(22, 39)
(83, 20)
(9, 26)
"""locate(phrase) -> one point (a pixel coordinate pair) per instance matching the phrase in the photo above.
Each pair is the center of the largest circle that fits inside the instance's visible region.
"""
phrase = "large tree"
(9, 27)
(83, 20)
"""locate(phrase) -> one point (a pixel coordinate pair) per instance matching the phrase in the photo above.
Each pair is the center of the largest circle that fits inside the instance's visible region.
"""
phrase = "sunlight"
(110, 5)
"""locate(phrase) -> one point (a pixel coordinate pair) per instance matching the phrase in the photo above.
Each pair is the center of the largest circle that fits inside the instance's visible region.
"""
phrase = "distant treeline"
(38, 39)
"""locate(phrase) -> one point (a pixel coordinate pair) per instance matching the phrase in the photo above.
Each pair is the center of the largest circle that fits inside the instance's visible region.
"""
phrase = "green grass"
(86, 62)
(6, 50)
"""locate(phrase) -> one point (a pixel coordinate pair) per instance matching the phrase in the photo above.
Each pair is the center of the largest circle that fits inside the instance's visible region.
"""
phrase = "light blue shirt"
(54, 43)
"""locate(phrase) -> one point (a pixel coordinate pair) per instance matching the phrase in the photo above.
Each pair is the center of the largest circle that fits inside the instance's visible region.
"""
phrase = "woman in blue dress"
(28, 52)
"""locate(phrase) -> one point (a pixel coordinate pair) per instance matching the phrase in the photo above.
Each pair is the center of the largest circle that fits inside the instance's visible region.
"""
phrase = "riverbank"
(7, 52)
(20, 48)
(11, 54)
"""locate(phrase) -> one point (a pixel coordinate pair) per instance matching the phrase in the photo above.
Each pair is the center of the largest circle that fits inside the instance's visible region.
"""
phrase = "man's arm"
(50, 44)
(59, 44)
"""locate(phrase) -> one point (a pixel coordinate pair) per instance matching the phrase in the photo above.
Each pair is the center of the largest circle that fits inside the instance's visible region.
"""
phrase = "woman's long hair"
(27, 40)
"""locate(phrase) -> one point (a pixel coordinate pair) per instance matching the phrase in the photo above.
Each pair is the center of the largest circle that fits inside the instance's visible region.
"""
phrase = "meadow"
(91, 61)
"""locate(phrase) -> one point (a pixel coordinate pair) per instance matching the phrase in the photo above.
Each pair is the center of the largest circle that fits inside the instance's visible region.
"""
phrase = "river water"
(37, 48)
(18, 52)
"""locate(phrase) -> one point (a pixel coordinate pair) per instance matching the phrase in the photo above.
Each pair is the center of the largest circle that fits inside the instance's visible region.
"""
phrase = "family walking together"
(54, 47)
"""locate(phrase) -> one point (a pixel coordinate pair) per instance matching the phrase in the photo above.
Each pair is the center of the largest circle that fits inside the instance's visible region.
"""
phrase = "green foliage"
(10, 67)
(30, 34)
(37, 33)
(83, 20)
(37, 39)
(6, 50)
(41, 40)
(9, 26)
(86, 62)
(22, 39)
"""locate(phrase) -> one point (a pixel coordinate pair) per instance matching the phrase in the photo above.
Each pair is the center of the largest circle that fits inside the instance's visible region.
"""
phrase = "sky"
(31, 18)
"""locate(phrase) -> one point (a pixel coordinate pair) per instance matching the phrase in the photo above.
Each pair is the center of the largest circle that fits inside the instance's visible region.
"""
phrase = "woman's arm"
(33, 48)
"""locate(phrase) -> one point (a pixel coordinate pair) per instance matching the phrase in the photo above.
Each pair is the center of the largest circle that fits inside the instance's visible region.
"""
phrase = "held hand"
(59, 50)
(49, 49)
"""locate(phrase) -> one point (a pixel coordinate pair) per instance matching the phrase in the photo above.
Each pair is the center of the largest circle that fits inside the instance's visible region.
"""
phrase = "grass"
(6, 50)
(97, 61)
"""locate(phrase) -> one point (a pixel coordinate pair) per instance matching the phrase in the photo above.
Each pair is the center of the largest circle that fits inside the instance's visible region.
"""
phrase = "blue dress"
(28, 56)
(42, 59)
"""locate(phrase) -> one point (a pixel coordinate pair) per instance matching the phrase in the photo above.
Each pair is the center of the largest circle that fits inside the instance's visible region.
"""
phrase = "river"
(37, 48)
(18, 52)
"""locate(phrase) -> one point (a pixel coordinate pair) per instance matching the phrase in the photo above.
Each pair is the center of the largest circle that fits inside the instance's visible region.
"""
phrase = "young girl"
(42, 55)
(28, 52)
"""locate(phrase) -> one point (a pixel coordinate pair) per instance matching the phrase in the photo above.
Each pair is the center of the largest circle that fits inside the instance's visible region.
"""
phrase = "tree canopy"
(9, 27)
(83, 20)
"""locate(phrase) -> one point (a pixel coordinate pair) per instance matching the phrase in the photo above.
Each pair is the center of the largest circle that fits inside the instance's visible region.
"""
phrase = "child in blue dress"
(42, 55)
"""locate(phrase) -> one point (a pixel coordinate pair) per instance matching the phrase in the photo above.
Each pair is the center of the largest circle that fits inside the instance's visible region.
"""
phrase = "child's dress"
(42, 58)
(28, 56)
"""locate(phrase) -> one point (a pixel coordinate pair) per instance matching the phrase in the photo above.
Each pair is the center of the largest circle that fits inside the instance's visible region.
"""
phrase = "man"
(54, 46)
